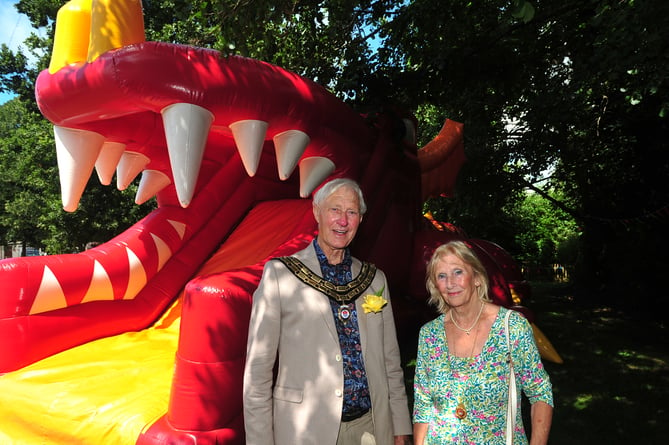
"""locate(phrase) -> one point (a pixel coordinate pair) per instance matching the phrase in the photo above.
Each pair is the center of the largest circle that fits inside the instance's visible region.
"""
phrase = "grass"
(613, 387)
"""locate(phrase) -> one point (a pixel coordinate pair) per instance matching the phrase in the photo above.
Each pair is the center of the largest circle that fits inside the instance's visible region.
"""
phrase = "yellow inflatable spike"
(70, 42)
(114, 24)
(545, 347)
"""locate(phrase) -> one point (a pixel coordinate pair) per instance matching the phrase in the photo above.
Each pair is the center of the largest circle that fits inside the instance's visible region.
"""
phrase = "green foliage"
(19, 69)
(28, 167)
(522, 10)
(545, 235)
(327, 41)
(431, 120)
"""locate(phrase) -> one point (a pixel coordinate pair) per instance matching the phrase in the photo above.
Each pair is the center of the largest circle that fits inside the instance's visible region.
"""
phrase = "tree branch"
(576, 215)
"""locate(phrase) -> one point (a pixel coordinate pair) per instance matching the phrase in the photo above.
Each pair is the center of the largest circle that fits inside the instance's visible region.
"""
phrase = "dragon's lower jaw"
(52, 303)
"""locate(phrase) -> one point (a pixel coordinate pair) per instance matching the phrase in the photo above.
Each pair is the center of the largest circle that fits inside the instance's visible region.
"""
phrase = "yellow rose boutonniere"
(374, 302)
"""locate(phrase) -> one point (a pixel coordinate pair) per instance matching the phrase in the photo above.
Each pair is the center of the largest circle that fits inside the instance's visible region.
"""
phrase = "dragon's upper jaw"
(163, 109)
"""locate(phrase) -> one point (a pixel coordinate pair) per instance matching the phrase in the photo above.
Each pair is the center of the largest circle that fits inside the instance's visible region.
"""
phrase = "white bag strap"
(511, 406)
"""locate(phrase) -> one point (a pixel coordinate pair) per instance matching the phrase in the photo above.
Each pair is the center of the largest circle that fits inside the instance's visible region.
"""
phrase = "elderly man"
(323, 363)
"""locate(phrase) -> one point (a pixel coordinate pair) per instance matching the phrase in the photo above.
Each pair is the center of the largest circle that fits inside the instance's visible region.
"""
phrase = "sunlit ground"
(613, 387)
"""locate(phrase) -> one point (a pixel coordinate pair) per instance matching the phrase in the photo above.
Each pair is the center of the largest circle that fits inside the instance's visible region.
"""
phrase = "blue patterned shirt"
(356, 388)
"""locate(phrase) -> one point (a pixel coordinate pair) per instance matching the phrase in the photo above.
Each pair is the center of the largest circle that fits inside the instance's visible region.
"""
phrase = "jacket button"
(338, 357)
(338, 392)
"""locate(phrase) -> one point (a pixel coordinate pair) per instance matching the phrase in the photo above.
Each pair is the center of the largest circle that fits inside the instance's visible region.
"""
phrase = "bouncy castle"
(141, 340)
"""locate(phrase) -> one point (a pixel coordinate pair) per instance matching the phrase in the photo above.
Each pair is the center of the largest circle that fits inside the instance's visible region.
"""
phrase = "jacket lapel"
(362, 317)
(309, 259)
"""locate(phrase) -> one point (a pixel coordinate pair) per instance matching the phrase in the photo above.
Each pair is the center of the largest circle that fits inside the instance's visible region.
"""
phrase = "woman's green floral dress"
(480, 383)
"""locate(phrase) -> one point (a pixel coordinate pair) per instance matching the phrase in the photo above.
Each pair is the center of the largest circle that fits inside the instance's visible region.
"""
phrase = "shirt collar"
(337, 273)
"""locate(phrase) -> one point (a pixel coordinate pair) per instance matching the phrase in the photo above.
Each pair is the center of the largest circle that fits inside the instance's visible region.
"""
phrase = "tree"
(576, 88)
(327, 41)
(25, 188)
(579, 89)
(544, 235)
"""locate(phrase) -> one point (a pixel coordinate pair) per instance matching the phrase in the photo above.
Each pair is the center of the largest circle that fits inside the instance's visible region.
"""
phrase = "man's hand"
(403, 440)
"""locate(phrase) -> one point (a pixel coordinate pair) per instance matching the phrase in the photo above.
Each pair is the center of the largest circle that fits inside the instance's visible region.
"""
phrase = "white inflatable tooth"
(101, 287)
(289, 146)
(186, 130)
(164, 251)
(108, 159)
(50, 295)
(137, 278)
(179, 227)
(150, 184)
(313, 172)
(76, 152)
(249, 136)
(130, 165)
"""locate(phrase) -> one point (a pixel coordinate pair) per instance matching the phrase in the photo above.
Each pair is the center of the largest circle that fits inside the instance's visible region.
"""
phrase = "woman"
(461, 386)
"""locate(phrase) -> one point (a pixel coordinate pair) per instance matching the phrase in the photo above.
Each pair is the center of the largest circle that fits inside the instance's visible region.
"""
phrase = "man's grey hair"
(332, 186)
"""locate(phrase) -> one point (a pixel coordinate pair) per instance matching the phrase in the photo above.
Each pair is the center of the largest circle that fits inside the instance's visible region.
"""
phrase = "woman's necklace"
(467, 331)
(461, 409)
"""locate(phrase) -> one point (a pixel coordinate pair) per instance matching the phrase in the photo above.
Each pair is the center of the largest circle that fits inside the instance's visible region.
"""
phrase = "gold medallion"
(460, 411)
(344, 313)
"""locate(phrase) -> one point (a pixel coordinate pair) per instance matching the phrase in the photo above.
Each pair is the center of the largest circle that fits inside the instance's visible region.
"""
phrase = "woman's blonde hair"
(461, 250)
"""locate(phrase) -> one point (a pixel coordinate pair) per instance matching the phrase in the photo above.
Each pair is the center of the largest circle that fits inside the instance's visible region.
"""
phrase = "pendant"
(460, 411)
(344, 313)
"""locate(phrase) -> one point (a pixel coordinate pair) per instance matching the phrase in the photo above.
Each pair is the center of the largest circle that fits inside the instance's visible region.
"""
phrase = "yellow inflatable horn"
(70, 41)
(85, 29)
(115, 24)
(545, 347)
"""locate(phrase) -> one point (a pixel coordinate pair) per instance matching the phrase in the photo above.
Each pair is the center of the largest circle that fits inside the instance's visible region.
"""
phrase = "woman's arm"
(419, 432)
(534, 380)
(541, 414)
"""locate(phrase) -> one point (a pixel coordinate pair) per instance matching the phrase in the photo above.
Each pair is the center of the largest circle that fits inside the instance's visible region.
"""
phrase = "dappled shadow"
(614, 383)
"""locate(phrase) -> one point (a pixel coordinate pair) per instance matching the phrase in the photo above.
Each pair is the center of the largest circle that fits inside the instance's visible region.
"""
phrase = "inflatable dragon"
(142, 339)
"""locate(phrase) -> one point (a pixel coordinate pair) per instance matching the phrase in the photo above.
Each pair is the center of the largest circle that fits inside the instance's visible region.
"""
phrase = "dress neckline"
(474, 357)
